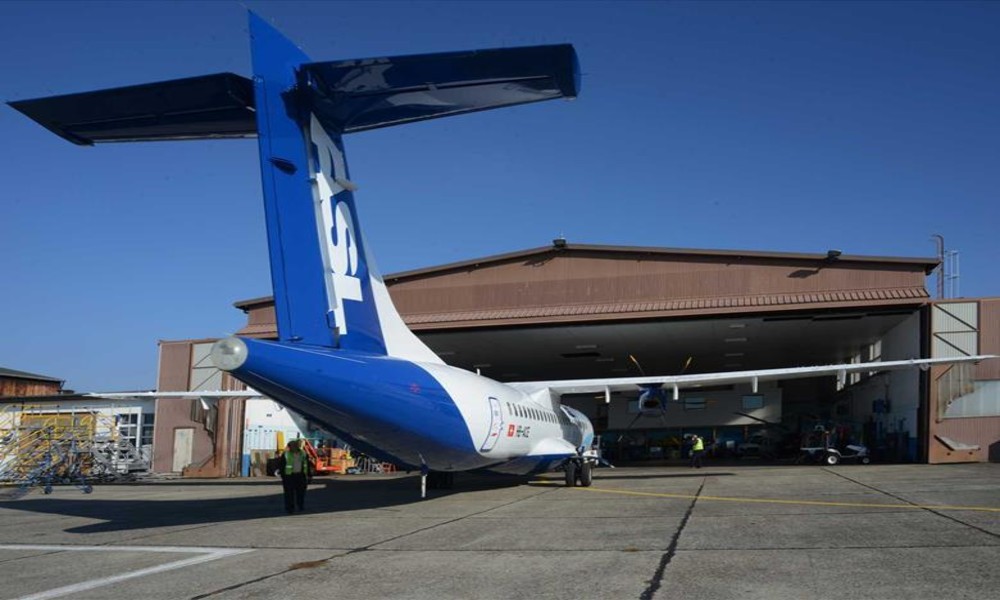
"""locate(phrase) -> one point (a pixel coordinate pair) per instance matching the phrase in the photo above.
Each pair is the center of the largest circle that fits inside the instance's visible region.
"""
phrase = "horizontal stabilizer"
(358, 95)
(210, 106)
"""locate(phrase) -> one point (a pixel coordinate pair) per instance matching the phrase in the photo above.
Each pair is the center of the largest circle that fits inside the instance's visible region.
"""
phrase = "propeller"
(653, 399)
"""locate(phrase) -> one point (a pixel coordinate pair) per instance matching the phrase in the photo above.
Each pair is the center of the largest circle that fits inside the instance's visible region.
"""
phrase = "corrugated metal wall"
(980, 431)
(15, 386)
(575, 279)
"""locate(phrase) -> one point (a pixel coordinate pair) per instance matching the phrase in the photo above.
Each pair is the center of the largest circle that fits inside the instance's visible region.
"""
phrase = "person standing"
(294, 468)
(697, 450)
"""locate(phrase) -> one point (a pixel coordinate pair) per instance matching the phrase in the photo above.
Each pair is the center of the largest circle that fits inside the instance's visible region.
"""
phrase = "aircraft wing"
(678, 382)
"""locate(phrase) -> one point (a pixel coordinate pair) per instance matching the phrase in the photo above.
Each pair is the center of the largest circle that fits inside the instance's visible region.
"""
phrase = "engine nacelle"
(652, 401)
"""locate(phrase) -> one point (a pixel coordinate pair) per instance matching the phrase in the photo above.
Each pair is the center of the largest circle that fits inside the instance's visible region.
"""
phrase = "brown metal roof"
(928, 264)
(4, 372)
(246, 305)
(701, 305)
(591, 282)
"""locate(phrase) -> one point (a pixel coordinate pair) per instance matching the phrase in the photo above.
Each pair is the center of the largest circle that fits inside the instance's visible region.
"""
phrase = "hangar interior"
(569, 311)
(724, 414)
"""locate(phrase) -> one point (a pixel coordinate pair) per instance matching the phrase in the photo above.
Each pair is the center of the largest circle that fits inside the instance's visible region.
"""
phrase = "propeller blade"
(743, 414)
(687, 364)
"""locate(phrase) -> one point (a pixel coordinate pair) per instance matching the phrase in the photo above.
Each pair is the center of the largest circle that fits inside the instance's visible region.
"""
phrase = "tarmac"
(746, 532)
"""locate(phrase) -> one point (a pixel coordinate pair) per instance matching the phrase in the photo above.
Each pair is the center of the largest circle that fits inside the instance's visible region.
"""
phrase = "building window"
(694, 404)
(147, 429)
(753, 402)
(128, 427)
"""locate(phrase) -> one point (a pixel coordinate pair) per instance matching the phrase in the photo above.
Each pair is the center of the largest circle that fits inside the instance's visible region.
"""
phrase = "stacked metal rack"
(44, 446)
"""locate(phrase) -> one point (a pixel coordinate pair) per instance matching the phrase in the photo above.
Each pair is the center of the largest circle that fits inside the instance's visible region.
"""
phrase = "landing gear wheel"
(865, 460)
(831, 459)
(571, 473)
(586, 474)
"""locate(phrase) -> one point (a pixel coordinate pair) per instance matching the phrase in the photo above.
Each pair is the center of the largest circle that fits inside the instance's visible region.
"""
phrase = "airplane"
(344, 358)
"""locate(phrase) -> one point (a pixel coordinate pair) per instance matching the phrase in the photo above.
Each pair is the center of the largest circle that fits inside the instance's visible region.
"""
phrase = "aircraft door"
(496, 426)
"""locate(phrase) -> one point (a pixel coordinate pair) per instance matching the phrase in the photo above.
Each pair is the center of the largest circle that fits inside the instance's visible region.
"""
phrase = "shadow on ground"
(606, 474)
(326, 495)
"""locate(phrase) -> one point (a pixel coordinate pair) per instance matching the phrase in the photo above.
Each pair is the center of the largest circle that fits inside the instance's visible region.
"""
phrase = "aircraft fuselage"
(414, 414)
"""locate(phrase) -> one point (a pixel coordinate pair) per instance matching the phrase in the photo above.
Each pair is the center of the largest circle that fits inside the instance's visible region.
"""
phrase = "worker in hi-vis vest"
(697, 450)
(295, 471)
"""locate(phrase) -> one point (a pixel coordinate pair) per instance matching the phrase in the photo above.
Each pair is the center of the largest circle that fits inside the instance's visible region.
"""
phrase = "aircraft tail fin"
(327, 288)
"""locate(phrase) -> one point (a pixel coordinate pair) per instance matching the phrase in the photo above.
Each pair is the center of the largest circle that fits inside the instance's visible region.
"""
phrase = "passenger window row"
(526, 412)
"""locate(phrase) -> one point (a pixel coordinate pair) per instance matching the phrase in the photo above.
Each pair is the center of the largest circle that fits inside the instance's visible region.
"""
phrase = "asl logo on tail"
(338, 242)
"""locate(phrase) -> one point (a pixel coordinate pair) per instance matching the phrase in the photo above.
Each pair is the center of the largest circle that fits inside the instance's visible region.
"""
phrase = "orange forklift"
(324, 460)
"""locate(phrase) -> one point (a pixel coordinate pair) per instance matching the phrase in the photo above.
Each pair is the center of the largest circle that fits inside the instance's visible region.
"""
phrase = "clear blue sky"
(783, 126)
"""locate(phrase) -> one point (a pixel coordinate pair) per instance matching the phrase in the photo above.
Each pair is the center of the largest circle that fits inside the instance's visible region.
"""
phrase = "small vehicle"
(832, 456)
(818, 447)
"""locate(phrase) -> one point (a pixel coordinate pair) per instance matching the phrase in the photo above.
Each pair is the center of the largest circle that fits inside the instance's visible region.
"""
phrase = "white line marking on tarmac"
(206, 555)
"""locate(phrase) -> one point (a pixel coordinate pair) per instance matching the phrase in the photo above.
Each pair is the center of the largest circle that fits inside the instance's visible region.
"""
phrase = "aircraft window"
(517, 410)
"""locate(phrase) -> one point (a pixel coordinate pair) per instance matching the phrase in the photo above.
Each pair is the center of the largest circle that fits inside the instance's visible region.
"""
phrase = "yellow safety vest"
(290, 462)
(699, 444)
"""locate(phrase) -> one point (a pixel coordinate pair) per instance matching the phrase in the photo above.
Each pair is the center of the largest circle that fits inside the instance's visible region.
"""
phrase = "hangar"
(574, 311)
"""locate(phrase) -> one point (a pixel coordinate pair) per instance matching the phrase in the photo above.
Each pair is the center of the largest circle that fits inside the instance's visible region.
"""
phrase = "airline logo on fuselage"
(335, 220)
